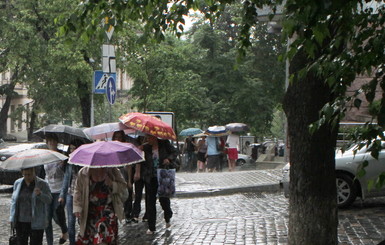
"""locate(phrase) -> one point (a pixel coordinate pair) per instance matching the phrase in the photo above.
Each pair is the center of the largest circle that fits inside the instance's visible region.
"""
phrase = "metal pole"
(92, 101)
(110, 112)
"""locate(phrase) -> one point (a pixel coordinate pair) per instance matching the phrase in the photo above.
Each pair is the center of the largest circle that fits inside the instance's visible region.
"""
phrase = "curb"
(229, 191)
(6, 189)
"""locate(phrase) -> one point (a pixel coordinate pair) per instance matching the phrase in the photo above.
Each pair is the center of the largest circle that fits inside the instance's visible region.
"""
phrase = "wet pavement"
(244, 207)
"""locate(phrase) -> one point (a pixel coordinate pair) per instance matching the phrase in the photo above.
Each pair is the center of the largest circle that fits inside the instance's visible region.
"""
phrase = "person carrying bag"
(12, 236)
(160, 157)
(166, 182)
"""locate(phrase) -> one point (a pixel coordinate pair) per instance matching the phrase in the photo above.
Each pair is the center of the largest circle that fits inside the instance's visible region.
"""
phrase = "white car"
(243, 159)
(348, 186)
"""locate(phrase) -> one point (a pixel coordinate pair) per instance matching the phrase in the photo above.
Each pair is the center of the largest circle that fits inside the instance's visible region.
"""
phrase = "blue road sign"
(111, 90)
(100, 81)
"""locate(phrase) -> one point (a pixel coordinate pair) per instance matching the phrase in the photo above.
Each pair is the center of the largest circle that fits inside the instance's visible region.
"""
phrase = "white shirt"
(54, 175)
(233, 141)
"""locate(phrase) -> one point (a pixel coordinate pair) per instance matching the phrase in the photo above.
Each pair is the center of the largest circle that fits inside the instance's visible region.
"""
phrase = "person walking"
(138, 187)
(159, 153)
(213, 154)
(28, 214)
(232, 143)
(66, 193)
(54, 175)
(202, 150)
(189, 150)
(98, 204)
(128, 175)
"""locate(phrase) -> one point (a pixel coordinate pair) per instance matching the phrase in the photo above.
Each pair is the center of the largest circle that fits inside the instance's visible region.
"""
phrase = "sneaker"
(128, 221)
(63, 239)
(150, 232)
(168, 224)
(145, 219)
(135, 220)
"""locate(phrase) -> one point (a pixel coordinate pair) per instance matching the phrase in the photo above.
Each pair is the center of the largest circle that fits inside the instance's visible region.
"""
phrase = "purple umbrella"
(104, 154)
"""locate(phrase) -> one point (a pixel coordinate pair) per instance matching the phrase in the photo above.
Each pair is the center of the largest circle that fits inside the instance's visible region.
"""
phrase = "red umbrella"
(148, 124)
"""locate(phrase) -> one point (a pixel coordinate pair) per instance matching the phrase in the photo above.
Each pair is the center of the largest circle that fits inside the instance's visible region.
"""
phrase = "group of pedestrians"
(211, 152)
(95, 198)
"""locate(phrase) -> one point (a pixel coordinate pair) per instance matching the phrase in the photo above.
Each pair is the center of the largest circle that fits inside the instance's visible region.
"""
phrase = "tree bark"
(312, 207)
(85, 102)
(32, 122)
(7, 104)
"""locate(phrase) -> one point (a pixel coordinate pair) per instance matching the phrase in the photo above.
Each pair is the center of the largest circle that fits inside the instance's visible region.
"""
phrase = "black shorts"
(201, 156)
(213, 161)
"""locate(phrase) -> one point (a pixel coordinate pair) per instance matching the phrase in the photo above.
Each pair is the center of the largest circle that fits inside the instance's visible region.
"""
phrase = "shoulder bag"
(12, 237)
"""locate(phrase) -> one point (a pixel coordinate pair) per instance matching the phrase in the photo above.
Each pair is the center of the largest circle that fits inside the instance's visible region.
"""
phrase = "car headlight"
(3, 158)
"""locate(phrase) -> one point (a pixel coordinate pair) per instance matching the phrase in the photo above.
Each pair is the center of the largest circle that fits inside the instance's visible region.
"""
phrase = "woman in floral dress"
(98, 203)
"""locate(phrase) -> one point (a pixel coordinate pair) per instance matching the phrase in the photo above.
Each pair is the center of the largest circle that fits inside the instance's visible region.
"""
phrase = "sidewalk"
(222, 183)
(257, 177)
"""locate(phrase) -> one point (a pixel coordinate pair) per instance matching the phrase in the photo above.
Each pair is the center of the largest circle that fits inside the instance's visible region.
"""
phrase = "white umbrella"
(106, 130)
(32, 158)
(217, 131)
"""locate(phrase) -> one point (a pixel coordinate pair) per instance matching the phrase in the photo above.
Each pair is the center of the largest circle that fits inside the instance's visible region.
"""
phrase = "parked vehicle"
(243, 159)
(8, 177)
(349, 187)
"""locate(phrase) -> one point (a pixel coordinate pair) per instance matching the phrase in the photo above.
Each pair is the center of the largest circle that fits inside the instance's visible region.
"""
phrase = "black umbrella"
(65, 134)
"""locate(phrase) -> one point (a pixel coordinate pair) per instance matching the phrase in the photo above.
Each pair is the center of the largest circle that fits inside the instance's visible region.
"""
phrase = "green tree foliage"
(331, 43)
(247, 91)
(198, 77)
(53, 71)
(165, 81)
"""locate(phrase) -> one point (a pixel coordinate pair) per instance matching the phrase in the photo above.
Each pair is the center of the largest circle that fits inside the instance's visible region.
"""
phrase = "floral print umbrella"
(148, 124)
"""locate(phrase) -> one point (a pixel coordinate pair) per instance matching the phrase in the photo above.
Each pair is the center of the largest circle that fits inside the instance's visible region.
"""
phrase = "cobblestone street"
(244, 218)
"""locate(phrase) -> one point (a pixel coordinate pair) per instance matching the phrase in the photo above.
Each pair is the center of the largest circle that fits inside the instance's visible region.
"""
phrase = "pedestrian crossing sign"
(100, 80)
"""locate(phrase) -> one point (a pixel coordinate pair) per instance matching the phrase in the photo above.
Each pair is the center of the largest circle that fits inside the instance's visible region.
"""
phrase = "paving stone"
(236, 211)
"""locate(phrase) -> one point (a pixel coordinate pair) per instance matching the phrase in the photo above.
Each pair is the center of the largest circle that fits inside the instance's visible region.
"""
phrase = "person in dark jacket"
(67, 191)
(189, 150)
(159, 153)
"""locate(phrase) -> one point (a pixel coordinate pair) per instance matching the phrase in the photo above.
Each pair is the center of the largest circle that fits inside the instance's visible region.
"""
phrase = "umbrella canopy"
(106, 130)
(217, 131)
(200, 135)
(190, 131)
(104, 154)
(237, 127)
(148, 124)
(32, 158)
(65, 134)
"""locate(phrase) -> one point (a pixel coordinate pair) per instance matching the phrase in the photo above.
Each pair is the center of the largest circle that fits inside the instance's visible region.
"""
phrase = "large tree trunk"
(32, 122)
(4, 116)
(85, 102)
(313, 209)
(5, 109)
